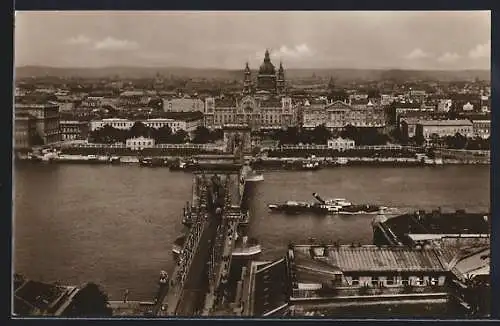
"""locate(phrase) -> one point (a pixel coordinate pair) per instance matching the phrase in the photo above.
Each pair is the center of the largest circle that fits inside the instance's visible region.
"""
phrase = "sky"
(450, 40)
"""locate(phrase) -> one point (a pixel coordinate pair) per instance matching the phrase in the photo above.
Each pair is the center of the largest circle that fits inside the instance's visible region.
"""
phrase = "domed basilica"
(261, 106)
(269, 82)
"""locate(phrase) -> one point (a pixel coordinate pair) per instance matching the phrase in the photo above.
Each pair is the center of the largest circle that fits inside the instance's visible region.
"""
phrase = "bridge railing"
(191, 243)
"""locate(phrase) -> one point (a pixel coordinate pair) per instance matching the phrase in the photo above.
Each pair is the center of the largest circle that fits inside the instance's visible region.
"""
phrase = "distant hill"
(339, 74)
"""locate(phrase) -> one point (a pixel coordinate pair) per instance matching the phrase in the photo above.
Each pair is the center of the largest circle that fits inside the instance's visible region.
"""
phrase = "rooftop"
(23, 115)
(472, 264)
(36, 105)
(368, 258)
(407, 105)
(271, 103)
(115, 119)
(446, 122)
(159, 120)
(225, 102)
(132, 93)
(38, 295)
(72, 122)
(437, 222)
(269, 288)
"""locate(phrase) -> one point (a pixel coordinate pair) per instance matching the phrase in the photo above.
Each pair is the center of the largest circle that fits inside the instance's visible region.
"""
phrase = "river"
(114, 225)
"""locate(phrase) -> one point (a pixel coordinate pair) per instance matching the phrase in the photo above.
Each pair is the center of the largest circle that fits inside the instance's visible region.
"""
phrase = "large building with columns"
(263, 104)
(337, 115)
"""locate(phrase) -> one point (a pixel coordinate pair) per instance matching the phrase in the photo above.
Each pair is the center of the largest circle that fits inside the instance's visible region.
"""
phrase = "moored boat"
(310, 165)
(180, 165)
(254, 177)
(115, 160)
(294, 207)
(152, 162)
(246, 248)
(146, 161)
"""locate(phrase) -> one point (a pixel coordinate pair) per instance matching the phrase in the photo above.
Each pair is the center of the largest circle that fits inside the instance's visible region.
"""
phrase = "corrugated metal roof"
(374, 259)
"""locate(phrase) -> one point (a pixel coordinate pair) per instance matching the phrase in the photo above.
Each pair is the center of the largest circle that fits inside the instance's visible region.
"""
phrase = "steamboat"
(334, 206)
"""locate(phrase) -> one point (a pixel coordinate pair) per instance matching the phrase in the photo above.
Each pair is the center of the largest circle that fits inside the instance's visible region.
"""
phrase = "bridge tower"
(237, 140)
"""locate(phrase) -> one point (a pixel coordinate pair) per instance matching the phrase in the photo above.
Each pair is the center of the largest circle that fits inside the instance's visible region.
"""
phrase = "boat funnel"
(318, 197)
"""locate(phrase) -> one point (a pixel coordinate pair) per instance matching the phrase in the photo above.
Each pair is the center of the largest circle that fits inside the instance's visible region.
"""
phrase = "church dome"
(267, 68)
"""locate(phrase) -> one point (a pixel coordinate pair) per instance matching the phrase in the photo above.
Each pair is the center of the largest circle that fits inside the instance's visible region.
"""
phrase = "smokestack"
(318, 197)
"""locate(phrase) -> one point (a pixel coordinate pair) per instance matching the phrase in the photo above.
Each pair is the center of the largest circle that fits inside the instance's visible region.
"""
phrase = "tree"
(390, 111)
(139, 129)
(349, 132)
(156, 103)
(201, 135)
(435, 140)
(364, 136)
(321, 134)
(457, 141)
(419, 139)
(306, 137)
(90, 301)
(162, 135)
(289, 136)
(398, 136)
(108, 135)
(181, 136)
(217, 134)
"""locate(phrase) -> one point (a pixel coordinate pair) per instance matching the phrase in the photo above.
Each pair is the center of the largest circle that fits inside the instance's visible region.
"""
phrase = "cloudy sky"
(407, 40)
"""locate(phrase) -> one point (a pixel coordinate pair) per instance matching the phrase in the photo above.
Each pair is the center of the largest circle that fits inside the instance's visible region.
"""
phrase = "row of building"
(40, 124)
(264, 104)
(427, 129)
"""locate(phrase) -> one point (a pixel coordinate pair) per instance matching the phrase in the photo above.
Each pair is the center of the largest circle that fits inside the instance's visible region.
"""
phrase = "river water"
(114, 225)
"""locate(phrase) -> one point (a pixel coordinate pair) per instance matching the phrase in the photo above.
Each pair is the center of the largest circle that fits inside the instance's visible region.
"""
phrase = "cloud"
(481, 51)
(112, 44)
(417, 54)
(449, 57)
(297, 52)
(80, 39)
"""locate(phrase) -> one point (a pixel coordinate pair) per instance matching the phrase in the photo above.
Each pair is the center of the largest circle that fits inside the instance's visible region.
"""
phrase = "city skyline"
(226, 40)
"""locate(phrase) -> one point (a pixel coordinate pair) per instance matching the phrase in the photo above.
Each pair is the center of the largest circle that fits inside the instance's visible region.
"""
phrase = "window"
(391, 280)
(419, 280)
(405, 281)
(355, 280)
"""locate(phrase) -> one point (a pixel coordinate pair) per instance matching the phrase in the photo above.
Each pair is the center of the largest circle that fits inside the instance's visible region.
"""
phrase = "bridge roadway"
(195, 281)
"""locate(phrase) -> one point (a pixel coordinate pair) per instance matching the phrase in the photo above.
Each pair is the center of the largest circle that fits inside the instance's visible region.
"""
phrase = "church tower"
(159, 83)
(247, 83)
(280, 83)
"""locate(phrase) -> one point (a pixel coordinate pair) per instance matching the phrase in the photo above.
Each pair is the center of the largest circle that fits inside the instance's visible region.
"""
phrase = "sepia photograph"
(291, 164)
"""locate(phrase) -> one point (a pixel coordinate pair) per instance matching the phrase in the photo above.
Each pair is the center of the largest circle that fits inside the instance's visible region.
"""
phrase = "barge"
(303, 165)
(187, 166)
(152, 162)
